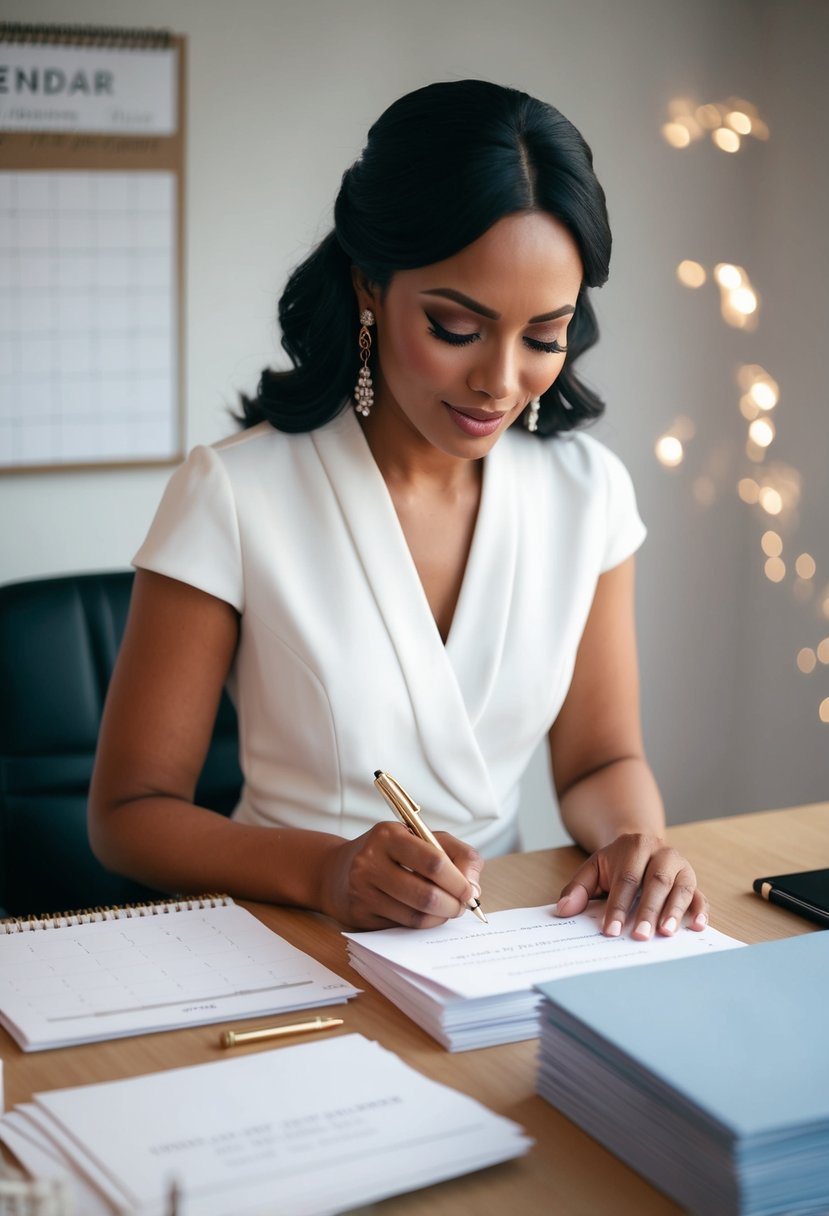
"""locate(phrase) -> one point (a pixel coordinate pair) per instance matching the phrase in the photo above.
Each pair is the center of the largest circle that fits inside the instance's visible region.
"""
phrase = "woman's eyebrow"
(449, 293)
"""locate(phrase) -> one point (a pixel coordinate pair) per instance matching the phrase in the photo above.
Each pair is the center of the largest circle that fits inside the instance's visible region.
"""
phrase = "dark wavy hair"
(440, 167)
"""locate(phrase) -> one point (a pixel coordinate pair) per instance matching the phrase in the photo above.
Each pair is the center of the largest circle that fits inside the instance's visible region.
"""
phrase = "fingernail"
(477, 890)
(643, 929)
(670, 924)
(563, 906)
(613, 929)
(700, 920)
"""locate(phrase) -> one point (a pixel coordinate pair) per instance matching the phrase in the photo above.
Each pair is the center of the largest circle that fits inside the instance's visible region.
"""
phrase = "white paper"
(522, 947)
(132, 974)
(89, 290)
(129, 90)
(309, 1129)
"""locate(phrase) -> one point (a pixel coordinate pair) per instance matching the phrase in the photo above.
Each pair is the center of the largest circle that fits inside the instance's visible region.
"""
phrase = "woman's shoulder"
(575, 454)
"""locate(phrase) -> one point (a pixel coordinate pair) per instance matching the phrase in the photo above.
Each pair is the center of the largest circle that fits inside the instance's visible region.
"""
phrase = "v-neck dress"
(340, 668)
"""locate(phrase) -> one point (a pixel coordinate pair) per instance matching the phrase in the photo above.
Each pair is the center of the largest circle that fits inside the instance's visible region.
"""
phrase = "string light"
(775, 488)
(806, 660)
(691, 274)
(669, 451)
(728, 123)
(771, 544)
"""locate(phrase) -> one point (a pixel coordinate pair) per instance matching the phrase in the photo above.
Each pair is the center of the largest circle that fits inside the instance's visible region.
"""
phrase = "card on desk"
(84, 977)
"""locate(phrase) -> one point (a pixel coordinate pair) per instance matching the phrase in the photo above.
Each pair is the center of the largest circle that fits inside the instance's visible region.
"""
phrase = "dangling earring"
(531, 416)
(364, 389)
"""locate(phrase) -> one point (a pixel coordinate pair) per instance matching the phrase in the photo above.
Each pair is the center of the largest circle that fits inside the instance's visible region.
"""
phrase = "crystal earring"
(364, 389)
(531, 416)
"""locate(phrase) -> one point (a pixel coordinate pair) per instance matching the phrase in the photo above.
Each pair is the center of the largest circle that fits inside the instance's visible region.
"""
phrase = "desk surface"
(566, 1172)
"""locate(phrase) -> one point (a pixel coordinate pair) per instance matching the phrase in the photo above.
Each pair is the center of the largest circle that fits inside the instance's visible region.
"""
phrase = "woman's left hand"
(636, 864)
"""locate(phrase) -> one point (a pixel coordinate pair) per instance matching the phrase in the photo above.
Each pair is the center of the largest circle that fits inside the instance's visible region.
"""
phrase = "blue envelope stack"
(709, 1075)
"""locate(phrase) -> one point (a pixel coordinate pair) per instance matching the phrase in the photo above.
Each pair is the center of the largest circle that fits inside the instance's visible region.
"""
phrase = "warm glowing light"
(676, 134)
(765, 393)
(744, 300)
(739, 122)
(824, 710)
(771, 500)
(775, 569)
(748, 490)
(726, 139)
(748, 407)
(823, 650)
(759, 129)
(824, 607)
(691, 274)
(761, 432)
(669, 451)
(771, 544)
(806, 660)
(806, 565)
(728, 276)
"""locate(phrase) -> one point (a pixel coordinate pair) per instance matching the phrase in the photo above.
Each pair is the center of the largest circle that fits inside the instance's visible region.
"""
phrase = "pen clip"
(400, 802)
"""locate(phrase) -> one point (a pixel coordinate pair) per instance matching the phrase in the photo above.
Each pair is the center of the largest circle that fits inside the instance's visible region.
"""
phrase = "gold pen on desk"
(236, 1038)
(407, 810)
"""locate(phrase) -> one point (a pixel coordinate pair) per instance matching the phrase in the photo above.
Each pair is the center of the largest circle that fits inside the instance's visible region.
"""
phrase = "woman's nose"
(494, 373)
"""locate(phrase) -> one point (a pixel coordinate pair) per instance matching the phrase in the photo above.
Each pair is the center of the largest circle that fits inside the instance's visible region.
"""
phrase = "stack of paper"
(708, 1075)
(472, 985)
(307, 1130)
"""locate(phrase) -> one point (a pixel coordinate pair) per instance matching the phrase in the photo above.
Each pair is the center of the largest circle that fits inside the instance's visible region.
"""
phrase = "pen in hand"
(407, 810)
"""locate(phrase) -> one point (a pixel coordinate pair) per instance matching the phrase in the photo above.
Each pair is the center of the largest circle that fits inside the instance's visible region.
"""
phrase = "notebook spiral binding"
(85, 916)
(86, 35)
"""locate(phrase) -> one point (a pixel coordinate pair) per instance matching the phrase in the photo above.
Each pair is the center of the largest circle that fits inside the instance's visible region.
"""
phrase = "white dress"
(340, 668)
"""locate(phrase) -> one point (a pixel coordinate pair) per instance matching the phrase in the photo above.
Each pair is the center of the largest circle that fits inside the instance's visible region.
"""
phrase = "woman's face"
(463, 345)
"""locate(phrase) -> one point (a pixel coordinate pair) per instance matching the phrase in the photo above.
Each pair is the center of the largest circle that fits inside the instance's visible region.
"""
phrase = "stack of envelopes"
(710, 1076)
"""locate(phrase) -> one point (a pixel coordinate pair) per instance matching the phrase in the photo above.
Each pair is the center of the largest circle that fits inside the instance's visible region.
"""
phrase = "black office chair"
(58, 642)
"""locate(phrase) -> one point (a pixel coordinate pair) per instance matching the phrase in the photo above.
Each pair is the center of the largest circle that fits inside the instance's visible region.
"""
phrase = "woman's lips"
(475, 422)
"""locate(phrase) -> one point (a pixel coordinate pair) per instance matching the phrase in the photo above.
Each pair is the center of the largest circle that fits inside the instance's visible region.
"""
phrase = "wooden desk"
(566, 1172)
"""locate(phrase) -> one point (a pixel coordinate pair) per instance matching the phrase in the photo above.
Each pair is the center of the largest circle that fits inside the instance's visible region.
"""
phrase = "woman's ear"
(364, 289)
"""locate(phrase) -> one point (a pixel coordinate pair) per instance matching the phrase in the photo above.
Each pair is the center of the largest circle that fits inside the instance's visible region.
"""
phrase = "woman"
(407, 560)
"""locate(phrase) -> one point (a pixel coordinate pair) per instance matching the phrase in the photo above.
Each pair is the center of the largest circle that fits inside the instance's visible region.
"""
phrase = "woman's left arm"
(608, 797)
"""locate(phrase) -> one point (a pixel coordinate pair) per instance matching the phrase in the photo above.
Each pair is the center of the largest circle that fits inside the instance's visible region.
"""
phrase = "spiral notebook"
(91, 246)
(109, 973)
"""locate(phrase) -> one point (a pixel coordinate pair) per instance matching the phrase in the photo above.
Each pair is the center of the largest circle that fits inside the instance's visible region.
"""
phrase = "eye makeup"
(454, 338)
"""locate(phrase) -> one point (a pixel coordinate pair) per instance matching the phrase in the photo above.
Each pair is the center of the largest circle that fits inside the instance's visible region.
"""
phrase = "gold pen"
(235, 1038)
(407, 810)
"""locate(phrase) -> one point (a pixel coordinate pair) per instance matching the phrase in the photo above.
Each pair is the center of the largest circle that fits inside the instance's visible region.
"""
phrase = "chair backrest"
(58, 641)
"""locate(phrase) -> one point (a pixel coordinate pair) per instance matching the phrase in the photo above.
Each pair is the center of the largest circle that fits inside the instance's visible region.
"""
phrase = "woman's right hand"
(389, 877)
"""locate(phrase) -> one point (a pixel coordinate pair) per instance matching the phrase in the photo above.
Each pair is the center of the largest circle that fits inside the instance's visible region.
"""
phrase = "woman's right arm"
(161, 706)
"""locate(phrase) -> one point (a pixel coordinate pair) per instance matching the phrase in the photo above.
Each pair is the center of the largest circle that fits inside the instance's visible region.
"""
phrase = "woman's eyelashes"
(447, 335)
(464, 339)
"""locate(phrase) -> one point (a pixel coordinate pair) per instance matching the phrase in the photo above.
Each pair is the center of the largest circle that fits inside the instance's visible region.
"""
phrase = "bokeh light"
(690, 273)
(772, 544)
(669, 451)
(806, 660)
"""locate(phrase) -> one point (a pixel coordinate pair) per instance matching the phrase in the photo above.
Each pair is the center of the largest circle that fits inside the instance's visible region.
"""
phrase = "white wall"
(281, 95)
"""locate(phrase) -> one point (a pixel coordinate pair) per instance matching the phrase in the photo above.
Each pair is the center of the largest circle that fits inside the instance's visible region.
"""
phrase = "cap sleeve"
(194, 536)
(625, 529)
